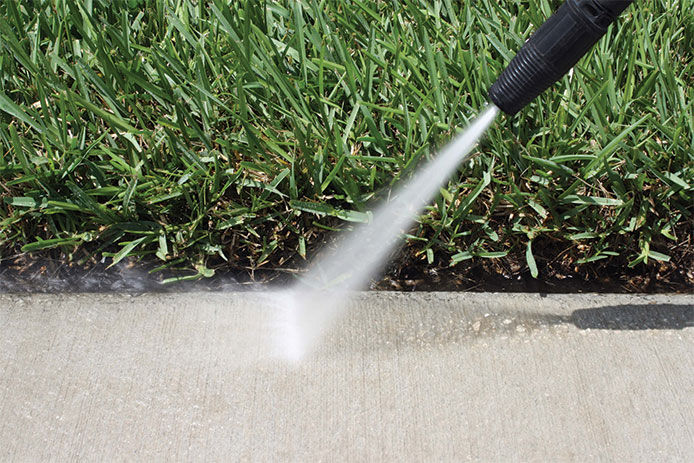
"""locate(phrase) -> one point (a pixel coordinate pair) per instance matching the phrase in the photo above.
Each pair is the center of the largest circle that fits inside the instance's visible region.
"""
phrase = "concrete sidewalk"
(403, 377)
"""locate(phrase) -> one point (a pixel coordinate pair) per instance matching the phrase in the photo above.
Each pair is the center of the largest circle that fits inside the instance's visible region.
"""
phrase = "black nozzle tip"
(552, 50)
(526, 76)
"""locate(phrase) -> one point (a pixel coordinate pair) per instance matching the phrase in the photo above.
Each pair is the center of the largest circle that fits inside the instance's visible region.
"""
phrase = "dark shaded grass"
(201, 133)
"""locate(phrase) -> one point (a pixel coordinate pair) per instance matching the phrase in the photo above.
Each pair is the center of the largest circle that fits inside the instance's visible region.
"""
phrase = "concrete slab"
(404, 377)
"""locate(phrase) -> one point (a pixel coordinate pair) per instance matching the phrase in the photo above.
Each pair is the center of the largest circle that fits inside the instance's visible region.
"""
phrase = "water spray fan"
(553, 50)
(319, 296)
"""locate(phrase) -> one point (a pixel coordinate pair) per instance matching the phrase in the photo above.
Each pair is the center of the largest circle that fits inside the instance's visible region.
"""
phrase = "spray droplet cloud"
(318, 299)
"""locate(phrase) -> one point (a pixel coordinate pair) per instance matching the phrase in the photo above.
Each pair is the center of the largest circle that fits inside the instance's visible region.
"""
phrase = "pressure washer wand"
(553, 50)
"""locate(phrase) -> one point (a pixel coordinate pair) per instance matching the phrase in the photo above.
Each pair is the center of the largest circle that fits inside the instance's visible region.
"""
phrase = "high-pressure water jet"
(318, 298)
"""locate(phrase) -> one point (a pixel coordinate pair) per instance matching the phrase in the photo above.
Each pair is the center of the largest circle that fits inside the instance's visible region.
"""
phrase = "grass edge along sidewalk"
(206, 135)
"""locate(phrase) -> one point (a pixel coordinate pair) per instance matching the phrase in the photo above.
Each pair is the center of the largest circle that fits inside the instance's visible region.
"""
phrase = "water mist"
(318, 298)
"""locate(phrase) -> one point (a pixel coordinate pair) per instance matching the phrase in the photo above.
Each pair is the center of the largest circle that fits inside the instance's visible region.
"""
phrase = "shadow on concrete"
(634, 317)
(618, 317)
(631, 317)
(429, 328)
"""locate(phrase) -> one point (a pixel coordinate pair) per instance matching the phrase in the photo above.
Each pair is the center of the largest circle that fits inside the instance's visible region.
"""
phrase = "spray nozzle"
(552, 50)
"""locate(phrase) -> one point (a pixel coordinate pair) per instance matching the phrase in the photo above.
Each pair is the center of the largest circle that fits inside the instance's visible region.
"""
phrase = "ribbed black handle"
(552, 50)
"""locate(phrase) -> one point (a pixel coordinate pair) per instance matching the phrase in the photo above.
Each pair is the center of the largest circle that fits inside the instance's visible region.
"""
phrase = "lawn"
(238, 134)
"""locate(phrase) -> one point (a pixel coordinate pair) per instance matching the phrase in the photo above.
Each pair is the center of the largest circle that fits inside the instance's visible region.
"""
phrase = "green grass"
(195, 132)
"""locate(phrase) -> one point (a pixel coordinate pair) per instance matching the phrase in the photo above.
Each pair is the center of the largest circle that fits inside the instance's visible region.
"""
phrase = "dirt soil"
(52, 273)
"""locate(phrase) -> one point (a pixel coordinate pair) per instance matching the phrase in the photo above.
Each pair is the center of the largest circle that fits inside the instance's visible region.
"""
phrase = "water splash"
(318, 299)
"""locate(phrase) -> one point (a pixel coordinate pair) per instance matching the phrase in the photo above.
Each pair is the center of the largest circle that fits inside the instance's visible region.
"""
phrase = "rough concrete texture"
(403, 377)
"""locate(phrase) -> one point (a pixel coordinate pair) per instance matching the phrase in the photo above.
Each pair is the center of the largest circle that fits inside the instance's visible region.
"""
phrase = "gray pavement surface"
(402, 377)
